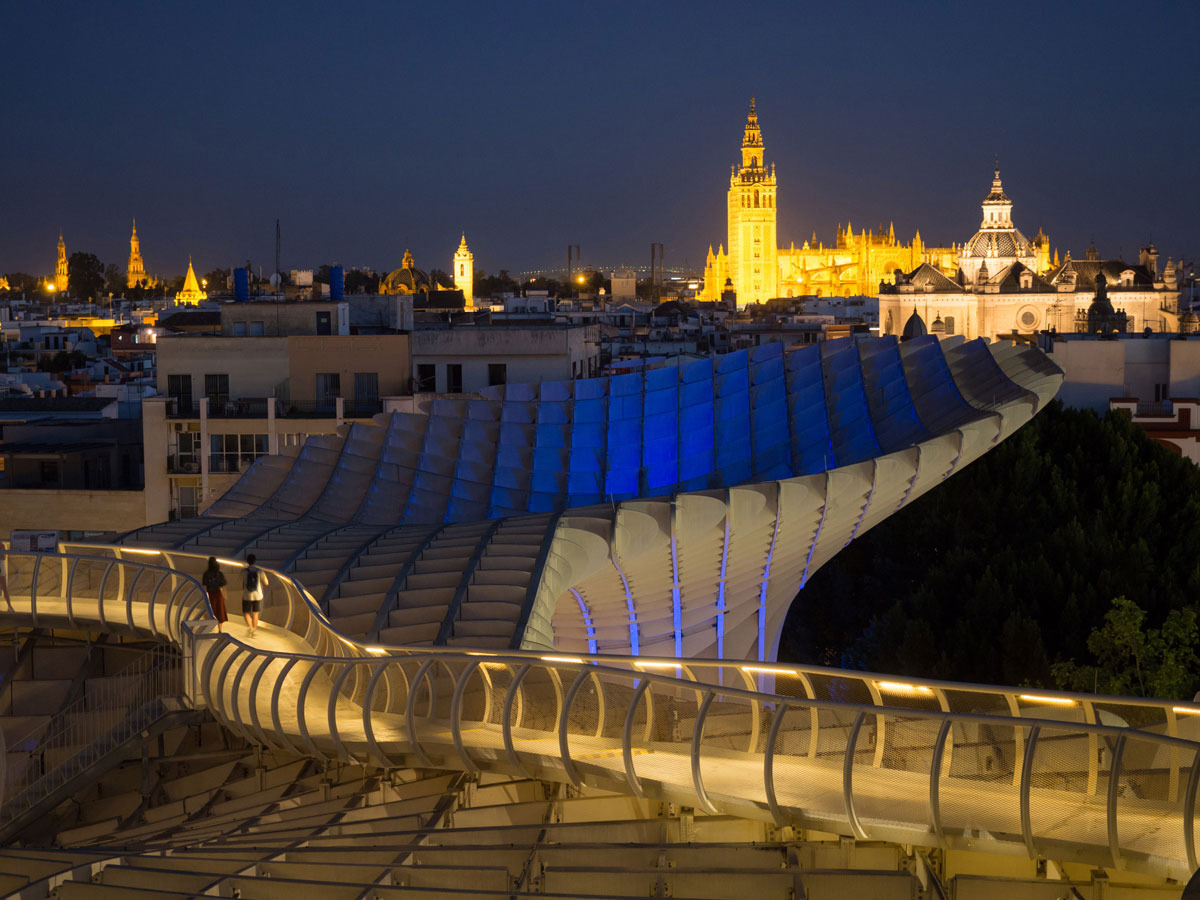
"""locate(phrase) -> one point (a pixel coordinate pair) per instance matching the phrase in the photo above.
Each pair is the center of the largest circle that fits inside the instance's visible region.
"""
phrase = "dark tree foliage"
(114, 280)
(1008, 567)
(361, 283)
(85, 276)
(62, 361)
(20, 282)
(552, 286)
(493, 285)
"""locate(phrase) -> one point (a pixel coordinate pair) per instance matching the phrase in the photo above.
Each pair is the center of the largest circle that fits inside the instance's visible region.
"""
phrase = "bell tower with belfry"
(464, 272)
(753, 251)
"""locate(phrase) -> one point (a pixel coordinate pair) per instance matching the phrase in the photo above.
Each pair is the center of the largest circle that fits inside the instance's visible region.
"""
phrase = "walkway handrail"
(764, 741)
(900, 691)
(87, 729)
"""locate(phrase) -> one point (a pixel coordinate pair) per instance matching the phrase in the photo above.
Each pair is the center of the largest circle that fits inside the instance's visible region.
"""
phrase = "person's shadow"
(1192, 891)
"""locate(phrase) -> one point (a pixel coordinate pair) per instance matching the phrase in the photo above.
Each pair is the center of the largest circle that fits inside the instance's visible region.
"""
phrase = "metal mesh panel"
(976, 702)
(539, 702)
(891, 778)
(1147, 717)
(478, 697)
(842, 689)
(1151, 798)
(731, 724)
(807, 758)
(50, 585)
(983, 756)
(497, 678)
(728, 769)
(618, 694)
(1064, 804)
(585, 717)
(85, 587)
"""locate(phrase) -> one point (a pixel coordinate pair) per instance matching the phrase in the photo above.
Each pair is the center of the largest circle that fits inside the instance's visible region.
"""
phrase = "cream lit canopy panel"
(669, 512)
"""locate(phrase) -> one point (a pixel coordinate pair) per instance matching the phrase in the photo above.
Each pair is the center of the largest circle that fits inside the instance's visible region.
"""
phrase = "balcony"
(181, 408)
(183, 464)
(244, 408)
(229, 464)
(1155, 408)
(258, 408)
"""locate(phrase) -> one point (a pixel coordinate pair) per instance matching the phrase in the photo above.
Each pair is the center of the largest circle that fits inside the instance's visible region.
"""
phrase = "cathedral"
(757, 269)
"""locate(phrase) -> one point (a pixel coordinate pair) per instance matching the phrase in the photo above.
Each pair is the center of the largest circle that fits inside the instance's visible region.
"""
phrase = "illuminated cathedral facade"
(758, 269)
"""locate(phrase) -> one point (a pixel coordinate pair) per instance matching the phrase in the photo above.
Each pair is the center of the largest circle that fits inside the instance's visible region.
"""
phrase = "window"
(324, 323)
(239, 329)
(329, 388)
(188, 502)
(179, 387)
(426, 378)
(235, 452)
(216, 389)
(366, 393)
(454, 378)
(188, 451)
(462, 269)
(497, 374)
(256, 329)
(48, 471)
(949, 324)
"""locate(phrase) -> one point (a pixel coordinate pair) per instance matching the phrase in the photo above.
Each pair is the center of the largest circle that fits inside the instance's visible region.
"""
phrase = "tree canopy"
(85, 276)
(1007, 568)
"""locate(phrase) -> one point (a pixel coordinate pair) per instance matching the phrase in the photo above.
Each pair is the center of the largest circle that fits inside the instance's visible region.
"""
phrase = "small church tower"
(61, 277)
(191, 293)
(464, 272)
(135, 274)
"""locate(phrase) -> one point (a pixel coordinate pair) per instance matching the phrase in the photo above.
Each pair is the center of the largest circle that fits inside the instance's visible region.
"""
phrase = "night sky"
(369, 127)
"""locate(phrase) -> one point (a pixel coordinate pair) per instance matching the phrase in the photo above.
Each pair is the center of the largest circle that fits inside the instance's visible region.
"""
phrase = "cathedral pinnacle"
(753, 137)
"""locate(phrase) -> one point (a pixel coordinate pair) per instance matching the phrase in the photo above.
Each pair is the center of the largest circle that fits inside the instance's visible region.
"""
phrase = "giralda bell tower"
(753, 263)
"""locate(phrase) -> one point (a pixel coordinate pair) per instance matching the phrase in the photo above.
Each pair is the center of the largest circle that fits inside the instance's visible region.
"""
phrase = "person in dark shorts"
(214, 582)
(4, 580)
(252, 598)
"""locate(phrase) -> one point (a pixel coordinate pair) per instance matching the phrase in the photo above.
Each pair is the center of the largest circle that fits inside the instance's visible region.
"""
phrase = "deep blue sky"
(366, 127)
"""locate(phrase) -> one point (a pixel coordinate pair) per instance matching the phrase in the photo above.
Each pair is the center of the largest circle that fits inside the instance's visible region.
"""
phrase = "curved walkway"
(930, 764)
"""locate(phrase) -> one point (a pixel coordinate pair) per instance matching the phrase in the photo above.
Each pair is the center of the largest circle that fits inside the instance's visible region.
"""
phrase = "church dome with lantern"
(998, 244)
(407, 279)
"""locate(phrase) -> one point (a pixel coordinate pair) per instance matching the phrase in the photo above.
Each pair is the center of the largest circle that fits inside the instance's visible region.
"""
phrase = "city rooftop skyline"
(537, 126)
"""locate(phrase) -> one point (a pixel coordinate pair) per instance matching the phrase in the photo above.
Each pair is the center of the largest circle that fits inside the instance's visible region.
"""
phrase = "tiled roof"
(1086, 271)
(998, 242)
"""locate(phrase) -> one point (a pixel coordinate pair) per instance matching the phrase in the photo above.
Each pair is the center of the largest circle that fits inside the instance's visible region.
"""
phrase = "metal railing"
(932, 764)
(1155, 408)
(183, 464)
(131, 594)
(112, 710)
